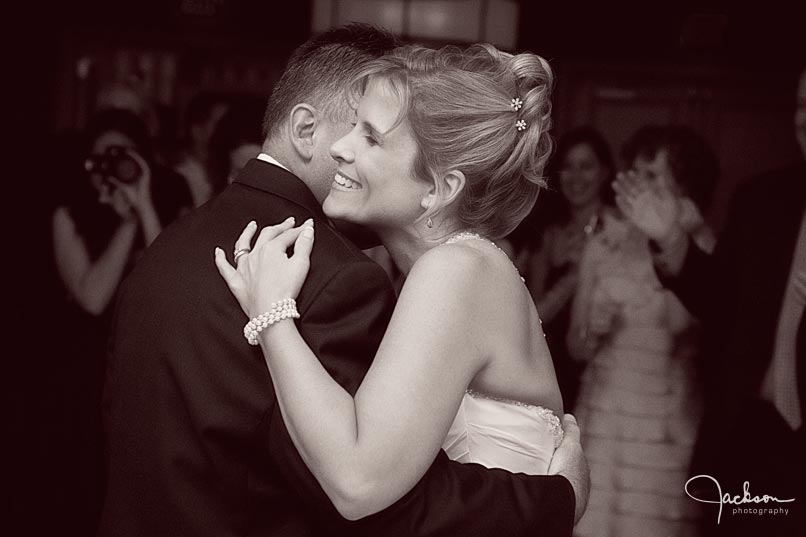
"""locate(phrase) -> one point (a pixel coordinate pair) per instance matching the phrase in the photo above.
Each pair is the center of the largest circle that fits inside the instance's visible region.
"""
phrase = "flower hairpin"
(516, 104)
(520, 125)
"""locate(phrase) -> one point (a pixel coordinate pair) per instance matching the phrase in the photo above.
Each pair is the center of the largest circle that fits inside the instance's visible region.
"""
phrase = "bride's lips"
(344, 182)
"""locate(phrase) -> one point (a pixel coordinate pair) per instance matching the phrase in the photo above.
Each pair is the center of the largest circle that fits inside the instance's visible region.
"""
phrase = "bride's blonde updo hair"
(459, 106)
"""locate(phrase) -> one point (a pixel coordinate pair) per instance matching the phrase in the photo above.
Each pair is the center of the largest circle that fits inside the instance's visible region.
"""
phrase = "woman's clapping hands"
(652, 208)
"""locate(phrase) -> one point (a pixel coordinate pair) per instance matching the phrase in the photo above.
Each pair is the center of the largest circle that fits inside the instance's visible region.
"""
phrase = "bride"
(445, 155)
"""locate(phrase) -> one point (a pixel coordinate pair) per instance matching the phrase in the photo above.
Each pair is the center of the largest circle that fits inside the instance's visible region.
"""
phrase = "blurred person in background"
(113, 203)
(130, 95)
(125, 197)
(639, 400)
(194, 160)
(583, 169)
(750, 295)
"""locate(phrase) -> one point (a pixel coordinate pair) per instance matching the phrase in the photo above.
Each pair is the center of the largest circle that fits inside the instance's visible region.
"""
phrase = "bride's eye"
(370, 140)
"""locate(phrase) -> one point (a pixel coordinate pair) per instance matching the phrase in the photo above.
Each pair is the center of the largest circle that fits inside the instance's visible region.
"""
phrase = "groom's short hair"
(319, 70)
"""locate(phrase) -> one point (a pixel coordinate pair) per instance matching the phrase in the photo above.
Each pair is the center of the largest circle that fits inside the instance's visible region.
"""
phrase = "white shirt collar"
(265, 157)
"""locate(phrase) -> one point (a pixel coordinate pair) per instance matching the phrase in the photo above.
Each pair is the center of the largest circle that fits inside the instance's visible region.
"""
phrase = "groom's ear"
(302, 123)
(454, 183)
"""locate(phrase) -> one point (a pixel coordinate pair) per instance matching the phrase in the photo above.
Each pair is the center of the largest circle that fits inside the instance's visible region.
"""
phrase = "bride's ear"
(454, 183)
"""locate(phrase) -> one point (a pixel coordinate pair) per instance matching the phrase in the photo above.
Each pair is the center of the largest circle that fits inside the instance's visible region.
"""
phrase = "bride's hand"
(266, 274)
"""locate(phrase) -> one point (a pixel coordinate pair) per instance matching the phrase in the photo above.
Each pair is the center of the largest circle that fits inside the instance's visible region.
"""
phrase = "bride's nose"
(340, 150)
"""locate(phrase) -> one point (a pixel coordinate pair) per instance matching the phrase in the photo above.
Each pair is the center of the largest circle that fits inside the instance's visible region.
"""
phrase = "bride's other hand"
(267, 274)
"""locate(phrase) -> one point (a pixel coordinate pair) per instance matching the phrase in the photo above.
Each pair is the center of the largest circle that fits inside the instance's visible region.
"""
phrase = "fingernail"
(252, 223)
(289, 219)
(308, 231)
(308, 222)
(217, 249)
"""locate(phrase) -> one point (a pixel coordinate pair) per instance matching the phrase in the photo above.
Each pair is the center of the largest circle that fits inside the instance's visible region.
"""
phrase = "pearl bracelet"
(283, 309)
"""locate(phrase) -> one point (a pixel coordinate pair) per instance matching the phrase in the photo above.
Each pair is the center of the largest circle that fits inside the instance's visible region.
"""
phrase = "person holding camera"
(95, 234)
(114, 201)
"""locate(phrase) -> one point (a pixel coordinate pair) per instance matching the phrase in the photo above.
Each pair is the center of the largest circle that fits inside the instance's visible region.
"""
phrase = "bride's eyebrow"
(372, 130)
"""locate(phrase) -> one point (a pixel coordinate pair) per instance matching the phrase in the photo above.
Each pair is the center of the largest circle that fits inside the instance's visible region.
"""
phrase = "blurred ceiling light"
(457, 21)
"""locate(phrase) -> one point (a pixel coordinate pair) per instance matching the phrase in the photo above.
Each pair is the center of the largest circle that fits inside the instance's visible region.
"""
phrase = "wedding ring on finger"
(240, 252)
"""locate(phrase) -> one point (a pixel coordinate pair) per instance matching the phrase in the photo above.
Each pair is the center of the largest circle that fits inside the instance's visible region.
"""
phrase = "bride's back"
(519, 365)
(509, 417)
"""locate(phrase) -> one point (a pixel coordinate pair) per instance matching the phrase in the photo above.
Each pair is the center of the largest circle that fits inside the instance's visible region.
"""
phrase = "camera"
(115, 163)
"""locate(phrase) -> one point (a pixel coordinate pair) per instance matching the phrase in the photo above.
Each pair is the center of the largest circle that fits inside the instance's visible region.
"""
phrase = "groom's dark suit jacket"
(196, 443)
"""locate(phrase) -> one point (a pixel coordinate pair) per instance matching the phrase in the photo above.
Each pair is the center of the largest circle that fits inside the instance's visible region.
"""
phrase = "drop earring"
(429, 223)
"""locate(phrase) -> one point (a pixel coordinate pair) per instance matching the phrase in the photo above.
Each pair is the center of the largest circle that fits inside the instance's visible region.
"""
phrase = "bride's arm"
(369, 451)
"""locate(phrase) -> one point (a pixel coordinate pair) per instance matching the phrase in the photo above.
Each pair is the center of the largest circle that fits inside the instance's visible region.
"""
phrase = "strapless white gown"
(501, 433)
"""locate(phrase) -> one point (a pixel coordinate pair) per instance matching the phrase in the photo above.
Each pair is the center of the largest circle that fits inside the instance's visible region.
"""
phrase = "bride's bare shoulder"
(455, 269)
(451, 260)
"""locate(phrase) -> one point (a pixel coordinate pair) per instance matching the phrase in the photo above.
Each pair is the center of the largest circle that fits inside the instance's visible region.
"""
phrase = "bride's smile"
(343, 182)
(375, 184)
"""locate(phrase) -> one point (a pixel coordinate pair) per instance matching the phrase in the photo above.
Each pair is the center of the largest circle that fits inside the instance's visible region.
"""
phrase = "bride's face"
(375, 184)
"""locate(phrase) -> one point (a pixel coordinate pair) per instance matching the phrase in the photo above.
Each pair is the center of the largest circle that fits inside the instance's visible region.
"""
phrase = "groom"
(196, 442)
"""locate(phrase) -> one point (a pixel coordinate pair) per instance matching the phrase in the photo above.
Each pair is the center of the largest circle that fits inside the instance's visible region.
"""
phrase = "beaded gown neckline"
(462, 236)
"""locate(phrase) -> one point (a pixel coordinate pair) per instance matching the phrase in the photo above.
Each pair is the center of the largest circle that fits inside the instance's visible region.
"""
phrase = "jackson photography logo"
(739, 501)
